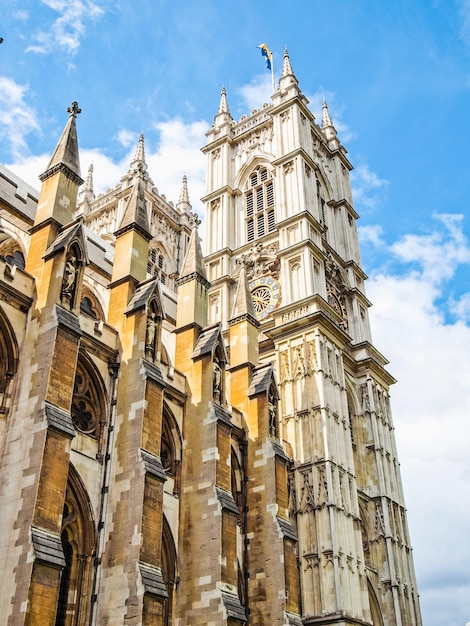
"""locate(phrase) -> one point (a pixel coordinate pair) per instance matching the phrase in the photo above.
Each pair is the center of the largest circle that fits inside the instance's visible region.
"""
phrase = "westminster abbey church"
(189, 439)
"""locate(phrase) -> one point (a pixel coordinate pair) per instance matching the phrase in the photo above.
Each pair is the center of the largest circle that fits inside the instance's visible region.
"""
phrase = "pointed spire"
(193, 261)
(243, 305)
(86, 195)
(288, 83)
(66, 158)
(135, 212)
(328, 128)
(89, 179)
(138, 164)
(140, 152)
(184, 196)
(326, 119)
(183, 205)
(223, 116)
(223, 106)
(286, 65)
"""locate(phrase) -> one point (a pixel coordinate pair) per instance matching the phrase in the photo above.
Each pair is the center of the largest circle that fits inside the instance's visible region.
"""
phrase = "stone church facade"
(197, 440)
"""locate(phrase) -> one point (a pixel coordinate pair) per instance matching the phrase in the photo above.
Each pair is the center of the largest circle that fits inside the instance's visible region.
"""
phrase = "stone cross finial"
(74, 110)
(194, 220)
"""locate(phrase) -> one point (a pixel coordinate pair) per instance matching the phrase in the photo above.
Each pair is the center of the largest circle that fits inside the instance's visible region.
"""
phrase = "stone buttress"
(132, 589)
(208, 588)
(40, 426)
(271, 555)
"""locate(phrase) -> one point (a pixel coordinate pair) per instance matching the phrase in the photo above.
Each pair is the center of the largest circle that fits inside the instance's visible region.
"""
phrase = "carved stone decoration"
(258, 140)
(365, 401)
(69, 281)
(260, 261)
(151, 334)
(288, 167)
(292, 493)
(322, 487)
(307, 495)
(218, 376)
(273, 416)
(379, 521)
(216, 380)
(312, 357)
(365, 542)
(85, 408)
(298, 368)
(284, 366)
(311, 561)
(336, 288)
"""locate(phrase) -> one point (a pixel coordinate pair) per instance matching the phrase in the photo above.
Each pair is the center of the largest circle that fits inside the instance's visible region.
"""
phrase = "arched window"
(157, 265)
(169, 571)
(88, 401)
(375, 612)
(259, 204)
(89, 304)
(171, 448)
(8, 360)
(11, 252)
(78, 542)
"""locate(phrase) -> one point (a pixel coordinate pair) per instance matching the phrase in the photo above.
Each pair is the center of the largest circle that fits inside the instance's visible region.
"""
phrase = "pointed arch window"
(78, 543)
(260, 214)
(11, 252)
(8, 361)
(157, 265)
(88, 405)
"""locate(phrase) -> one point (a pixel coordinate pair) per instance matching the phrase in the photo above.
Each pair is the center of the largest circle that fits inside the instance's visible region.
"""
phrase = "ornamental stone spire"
(86, 194)
(223, 117)
(286, 65)
(288, 84)
(328, 129)
(135, 213)
(183, 205)
(243, 305)
(139, 164)
(193, 261)
(89, 179)
(66, 157)
(223, 106)
(326, 119)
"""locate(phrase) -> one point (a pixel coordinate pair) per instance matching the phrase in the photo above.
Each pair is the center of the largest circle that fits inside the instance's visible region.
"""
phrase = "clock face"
(266, 294)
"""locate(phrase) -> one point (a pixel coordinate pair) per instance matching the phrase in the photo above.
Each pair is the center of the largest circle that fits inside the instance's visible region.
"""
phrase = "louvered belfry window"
(259, 204)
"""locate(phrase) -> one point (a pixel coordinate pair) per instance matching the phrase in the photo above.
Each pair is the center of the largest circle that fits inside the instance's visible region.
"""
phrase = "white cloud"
(371, 234)
(461, 308)
(438, 253)
(17, 118)
(176, 152)
(68, 28)
(256, 93)
(127, 138)
(368, 189)
(431, 407)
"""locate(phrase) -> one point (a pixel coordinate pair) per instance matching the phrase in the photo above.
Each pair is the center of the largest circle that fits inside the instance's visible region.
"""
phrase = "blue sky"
(396, 76)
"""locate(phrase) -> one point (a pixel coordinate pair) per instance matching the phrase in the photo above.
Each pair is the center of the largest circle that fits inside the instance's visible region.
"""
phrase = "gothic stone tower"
(279, 209)
(197, 441)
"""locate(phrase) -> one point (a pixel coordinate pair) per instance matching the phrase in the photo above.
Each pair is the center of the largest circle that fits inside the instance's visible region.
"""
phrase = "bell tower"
(279, 207)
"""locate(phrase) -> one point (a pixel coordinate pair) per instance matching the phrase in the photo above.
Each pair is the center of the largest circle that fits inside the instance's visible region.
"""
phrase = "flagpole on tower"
(266, 52)
(272, 71)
